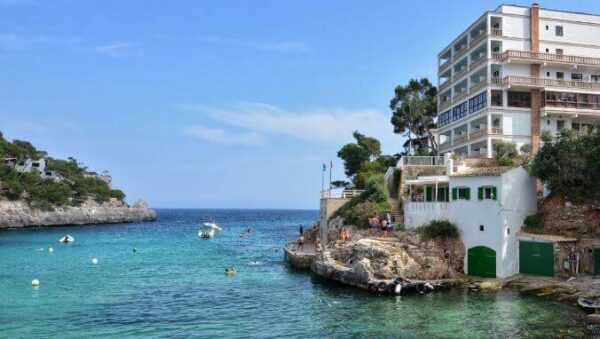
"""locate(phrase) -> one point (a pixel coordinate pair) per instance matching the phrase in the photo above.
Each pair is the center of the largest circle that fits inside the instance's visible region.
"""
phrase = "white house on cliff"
(487, 204)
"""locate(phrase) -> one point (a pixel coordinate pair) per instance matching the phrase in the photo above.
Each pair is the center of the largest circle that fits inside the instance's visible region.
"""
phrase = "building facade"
(514, 73)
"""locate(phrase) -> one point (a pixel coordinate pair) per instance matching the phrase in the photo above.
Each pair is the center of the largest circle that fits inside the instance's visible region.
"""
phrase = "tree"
(354, 154)
(414, 108)
(570, 165)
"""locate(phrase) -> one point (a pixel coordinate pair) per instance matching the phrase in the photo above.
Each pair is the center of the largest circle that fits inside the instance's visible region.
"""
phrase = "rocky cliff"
(566, 218)
(20, 214)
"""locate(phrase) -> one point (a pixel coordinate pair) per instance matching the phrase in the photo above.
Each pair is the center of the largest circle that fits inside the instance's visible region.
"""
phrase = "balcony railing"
(445, 104)
(460, 73)
(445, 66)
(496, 32)
(460, 52)
(477, 134)
(445, 145)
(346, 194)
(445, 85)
(546, 57)
(539, 82)
(478, 62)
(461, 95)
(478, 86)
(496, 81)
(497, 56)
(477, 40)
(423, 161)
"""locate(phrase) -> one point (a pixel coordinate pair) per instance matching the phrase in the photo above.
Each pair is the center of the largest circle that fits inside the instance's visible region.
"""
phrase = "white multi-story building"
(516, 72)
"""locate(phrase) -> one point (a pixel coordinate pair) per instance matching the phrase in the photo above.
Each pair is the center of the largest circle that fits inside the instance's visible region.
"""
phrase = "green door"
(482, 262)
(536, 258)
(597, 261)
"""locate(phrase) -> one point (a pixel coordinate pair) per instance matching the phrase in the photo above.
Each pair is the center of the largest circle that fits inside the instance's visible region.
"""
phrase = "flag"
(324, 167)
(330, 164)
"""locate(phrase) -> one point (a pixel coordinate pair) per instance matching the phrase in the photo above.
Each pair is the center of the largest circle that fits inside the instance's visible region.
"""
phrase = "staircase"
(395, 210)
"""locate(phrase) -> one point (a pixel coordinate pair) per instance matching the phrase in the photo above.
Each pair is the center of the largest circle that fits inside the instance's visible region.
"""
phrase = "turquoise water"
(173, 286)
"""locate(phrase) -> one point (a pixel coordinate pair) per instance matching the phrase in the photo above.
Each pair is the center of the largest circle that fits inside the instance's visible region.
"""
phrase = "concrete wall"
(420, 213)
(328, 207)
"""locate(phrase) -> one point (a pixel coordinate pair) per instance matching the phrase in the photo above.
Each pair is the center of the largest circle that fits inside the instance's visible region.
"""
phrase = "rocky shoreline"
(18, 214)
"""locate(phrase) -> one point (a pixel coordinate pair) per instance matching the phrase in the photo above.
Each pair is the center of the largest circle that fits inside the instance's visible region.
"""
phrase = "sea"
(160, 280)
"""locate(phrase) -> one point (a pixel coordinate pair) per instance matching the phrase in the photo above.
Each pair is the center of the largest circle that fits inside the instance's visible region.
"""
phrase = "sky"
(217, 104)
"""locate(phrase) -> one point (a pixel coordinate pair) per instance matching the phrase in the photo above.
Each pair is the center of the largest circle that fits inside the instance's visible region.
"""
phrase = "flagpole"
(330, 167)
(323, 180)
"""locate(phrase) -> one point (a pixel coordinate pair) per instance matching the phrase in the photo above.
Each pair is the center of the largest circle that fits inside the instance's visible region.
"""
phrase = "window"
(560, 75)
(576, 76)
(560, 125)
(519, 99)
(575, 126)
(595, 77)
(559, 31)
(547, 50)
(478, 102)
(547, 27)
(548, 74)
(508, 231)
(460, 111)
(461, 193)
(444, 118)
(487, 193)
(481, 228)
(497, 98)
(559, 51)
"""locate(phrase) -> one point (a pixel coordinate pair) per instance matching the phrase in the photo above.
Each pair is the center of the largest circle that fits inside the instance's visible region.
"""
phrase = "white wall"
(518, 201)
(420, 213)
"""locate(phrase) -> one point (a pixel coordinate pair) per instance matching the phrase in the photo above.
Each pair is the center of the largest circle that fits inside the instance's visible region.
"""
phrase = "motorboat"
(208, 230)
(589, 304)
(66, 239)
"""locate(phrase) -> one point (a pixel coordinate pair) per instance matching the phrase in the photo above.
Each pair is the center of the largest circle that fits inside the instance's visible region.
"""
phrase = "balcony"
(541, 83)
(496, 32)
(461, 95)
(415, 160)
(443, 67)
(445, 145)
(478, 86)
(445, 104)
(546, 57)
(445, 85)
(460, 74)
(477, 134)
(478, 62)
(459, 53)
(477, 40)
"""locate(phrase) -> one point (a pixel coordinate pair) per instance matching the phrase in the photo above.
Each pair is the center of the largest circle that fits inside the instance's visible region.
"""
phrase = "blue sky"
(231, 104)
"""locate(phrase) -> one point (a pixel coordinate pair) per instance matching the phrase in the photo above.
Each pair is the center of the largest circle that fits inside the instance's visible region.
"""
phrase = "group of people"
(384, 225)
(230, 271)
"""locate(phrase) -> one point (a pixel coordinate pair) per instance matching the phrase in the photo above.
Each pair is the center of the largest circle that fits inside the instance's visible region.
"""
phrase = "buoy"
(94, 261)
(35, 283)
(50, 249)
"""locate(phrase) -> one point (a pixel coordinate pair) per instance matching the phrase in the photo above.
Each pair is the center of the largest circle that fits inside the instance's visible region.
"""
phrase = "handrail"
(540, 82)
(496, 32)
(560, 58)
(477, 62)
(477, 40)
(346, 194)
(445, 85)
(445, 104)
(478, 85)
(461, 96)
(426, 160)
(460, 73)
(443, 67)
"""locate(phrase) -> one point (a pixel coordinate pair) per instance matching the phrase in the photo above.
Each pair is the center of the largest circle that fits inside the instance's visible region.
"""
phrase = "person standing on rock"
(301, 229)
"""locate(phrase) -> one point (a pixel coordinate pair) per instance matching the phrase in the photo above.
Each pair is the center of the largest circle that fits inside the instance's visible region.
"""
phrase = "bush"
(505, 161)
(534, 223)
(526, 148)
(439, 229)
(360, 214)
(505, 149)
(372, 202)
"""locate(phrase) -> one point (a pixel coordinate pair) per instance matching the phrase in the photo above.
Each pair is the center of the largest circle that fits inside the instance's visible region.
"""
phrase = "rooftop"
(546, 237)
(483, 171)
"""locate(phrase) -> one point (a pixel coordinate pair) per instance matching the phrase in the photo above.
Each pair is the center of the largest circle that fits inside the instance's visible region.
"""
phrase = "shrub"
(534, 223)
(359, 215)
(526, 148)
(372, 202)
(439, 229)
(505, 149)
(505, 161)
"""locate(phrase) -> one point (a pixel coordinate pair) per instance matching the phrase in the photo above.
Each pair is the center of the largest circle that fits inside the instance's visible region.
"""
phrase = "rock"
(20, 214)
(593, 318)
(140, 204)
(568, 204)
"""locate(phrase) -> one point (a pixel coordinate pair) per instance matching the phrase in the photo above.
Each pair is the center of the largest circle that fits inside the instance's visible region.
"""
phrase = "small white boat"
(588, 303)
(66, 239)
(208, 230)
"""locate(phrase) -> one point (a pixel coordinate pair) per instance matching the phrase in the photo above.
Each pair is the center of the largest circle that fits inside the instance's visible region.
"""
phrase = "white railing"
(414, 160)
(338, 194)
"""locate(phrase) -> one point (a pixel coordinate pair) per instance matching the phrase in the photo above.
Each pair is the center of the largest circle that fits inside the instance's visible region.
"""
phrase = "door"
(482, 262)
(536, 258)
(597, 261)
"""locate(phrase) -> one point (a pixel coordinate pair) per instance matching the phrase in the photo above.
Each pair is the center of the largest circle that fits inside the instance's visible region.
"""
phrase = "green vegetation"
(374, 201)
(363, 159)
(74, 184)
(534, 223)
(570, 165)
(414, 108)
(506, 154)
(439, 229)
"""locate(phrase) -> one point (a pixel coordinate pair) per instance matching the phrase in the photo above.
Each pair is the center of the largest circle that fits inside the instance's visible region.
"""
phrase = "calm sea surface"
(173, 285)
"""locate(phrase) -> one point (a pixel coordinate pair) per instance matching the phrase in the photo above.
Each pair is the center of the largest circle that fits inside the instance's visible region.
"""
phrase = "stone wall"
(576, 220)
(20, 214)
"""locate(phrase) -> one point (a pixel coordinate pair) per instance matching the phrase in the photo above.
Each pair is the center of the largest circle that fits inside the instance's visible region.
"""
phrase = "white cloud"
(120, 49)
(332, 126)
(221, 137)
(279, 46)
